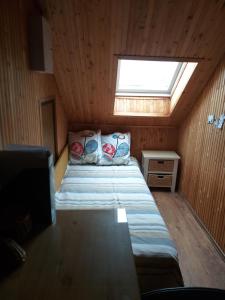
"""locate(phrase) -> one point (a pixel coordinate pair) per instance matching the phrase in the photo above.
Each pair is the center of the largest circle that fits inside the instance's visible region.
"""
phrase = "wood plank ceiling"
(22, 90)
(88, 35)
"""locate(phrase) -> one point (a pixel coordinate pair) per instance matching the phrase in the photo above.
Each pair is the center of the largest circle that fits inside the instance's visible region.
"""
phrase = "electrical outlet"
(211, 119)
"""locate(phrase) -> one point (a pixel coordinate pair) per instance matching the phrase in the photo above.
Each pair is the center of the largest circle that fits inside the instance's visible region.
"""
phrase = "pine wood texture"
(85, 255)
(202, 150)
(200, 263)
(142, 138)
(22, 89)
(142, 106)
(60, 167)
(88, 36)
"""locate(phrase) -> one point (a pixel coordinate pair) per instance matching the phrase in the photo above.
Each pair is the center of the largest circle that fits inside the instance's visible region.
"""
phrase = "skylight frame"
(161, 93)
(186, 72)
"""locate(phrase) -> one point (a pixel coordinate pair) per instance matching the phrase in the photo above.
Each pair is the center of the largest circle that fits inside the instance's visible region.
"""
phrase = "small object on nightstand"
(160, 168)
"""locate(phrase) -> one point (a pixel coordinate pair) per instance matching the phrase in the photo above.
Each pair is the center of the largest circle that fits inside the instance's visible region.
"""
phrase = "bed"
(105, 187)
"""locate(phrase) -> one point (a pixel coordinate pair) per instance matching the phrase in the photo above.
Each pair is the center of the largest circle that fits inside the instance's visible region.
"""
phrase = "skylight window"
(144, 87)
(146, 77)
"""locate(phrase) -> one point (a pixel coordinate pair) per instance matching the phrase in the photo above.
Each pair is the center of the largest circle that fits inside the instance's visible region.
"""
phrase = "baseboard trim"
(215, 244)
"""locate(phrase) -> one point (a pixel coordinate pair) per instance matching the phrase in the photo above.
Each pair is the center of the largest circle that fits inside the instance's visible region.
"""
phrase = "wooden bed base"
(60, 167)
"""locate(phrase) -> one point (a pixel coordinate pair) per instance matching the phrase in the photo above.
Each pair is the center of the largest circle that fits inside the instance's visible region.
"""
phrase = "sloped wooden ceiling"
(89, 34)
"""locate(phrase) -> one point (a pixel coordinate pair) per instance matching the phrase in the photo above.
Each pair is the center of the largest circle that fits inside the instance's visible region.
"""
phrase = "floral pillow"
(85, 147)
(115, 149)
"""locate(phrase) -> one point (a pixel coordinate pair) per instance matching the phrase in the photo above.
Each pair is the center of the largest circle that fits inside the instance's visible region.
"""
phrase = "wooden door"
(1, 143)
(48, 126)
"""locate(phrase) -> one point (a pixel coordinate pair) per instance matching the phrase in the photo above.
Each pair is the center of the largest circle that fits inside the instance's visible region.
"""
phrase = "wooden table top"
(86, 255)
(157, 154)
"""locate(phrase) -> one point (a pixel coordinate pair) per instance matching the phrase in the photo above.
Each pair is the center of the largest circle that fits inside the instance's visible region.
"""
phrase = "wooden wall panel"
(21, 89)
(151, 106)
(1, 143)
(142, 138)
(88, 36)
(202, 150)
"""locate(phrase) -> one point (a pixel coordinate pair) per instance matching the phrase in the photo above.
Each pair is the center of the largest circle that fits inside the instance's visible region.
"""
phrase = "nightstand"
(160, 168)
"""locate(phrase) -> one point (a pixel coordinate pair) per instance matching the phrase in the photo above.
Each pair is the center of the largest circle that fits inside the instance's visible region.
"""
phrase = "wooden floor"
(201, 264)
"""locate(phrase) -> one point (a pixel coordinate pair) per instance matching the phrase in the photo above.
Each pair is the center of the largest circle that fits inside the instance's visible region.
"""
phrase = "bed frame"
(60, 167)
(163, 272)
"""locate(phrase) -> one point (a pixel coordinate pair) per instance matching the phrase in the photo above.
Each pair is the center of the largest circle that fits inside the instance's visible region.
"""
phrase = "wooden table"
(86, 255)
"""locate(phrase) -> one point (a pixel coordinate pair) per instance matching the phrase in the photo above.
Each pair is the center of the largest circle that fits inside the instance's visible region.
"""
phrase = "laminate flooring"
(201, 264)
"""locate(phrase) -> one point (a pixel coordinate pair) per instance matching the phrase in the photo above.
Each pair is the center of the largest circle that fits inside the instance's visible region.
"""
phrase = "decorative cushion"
(115, 149)
(85, 147)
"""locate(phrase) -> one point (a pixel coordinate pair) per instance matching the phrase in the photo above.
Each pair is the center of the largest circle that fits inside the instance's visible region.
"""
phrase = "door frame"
(50, 99)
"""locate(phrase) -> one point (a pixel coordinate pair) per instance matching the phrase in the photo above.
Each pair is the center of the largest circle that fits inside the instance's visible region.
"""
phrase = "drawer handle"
(160, 161)
(160, 176)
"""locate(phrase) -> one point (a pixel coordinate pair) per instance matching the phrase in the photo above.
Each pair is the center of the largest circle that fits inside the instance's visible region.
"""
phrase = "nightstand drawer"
(159, 180)
(160, 165)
